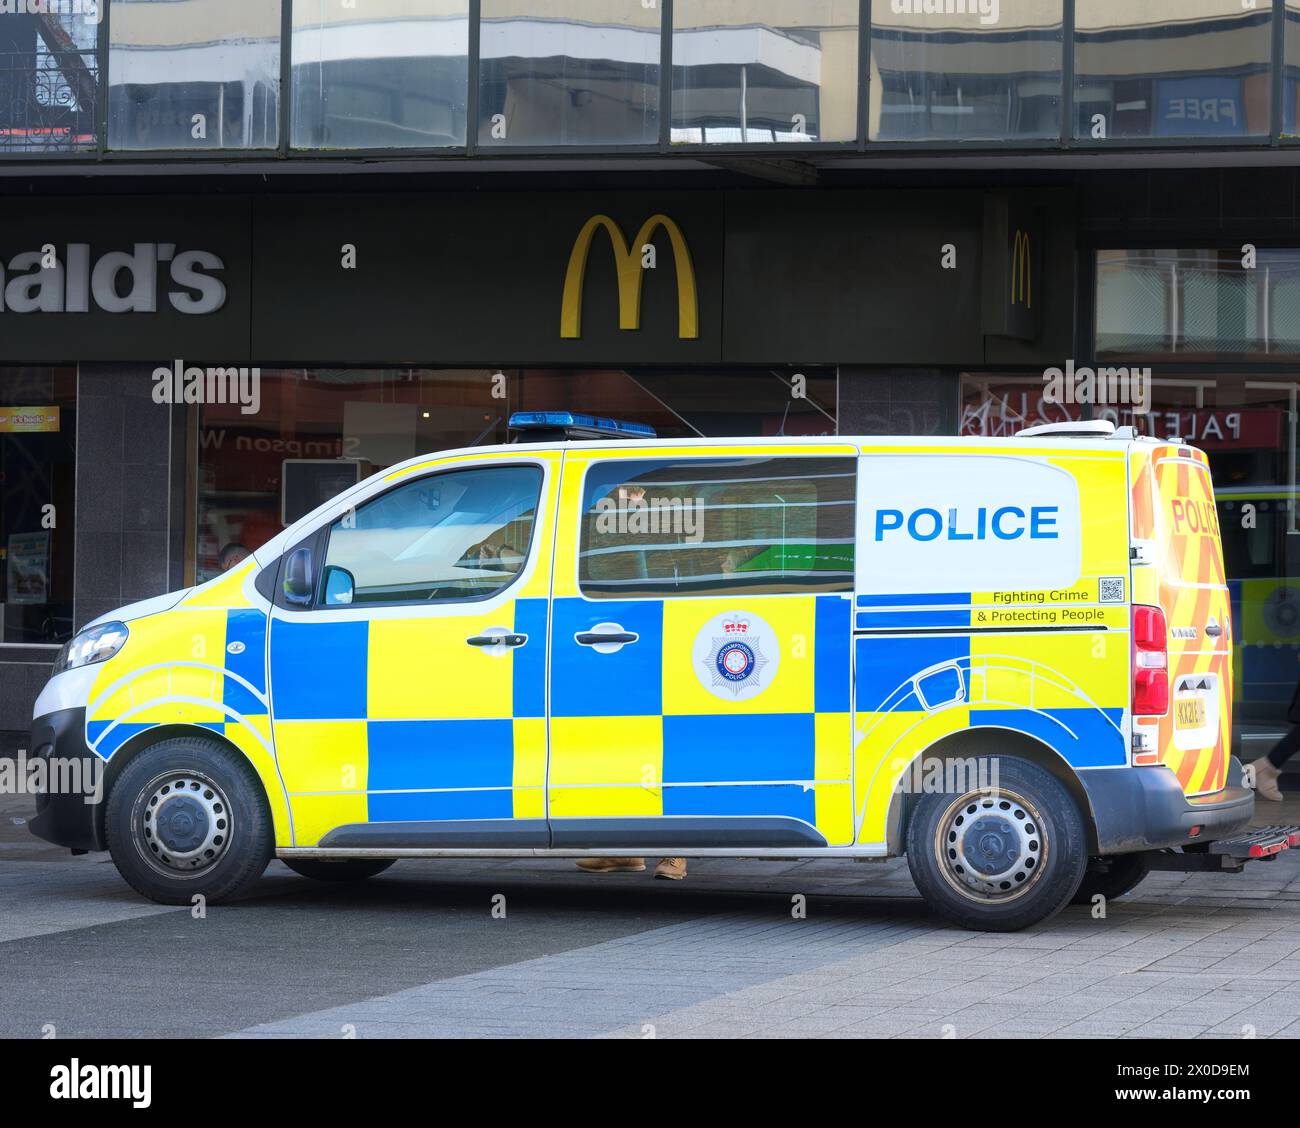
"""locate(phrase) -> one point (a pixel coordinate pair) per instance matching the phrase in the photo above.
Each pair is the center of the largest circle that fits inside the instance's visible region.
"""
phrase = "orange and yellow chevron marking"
(1191, 590)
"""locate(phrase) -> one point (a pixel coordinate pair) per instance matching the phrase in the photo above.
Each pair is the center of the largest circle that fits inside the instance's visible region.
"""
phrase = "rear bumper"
(1137, 809)
(69, 811)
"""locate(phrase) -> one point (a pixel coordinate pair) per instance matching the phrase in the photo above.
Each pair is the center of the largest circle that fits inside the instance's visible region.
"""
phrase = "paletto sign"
(115, 282)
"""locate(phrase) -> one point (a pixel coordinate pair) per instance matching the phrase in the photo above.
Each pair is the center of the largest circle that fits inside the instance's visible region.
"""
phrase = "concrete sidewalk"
(418, 952)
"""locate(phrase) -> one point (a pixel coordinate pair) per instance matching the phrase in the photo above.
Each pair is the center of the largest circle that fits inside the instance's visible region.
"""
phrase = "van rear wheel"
(1111, 877)
(997, 859)
(345, 869)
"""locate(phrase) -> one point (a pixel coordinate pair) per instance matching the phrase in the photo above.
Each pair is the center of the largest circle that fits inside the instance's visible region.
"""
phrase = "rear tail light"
(1150, 662)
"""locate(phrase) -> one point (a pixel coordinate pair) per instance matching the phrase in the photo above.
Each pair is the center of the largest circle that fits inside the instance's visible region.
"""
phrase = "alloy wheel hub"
(185, 824)
(991, 845)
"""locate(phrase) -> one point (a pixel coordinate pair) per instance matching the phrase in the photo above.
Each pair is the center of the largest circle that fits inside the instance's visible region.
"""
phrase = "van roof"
(1121, 438)
(1121, 441)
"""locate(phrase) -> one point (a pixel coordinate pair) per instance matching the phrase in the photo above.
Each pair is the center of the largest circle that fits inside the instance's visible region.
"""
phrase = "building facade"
(252, 250)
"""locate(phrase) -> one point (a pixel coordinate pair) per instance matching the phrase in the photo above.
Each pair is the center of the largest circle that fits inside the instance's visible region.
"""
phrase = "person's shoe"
(671, 869)
(1266, 777)
(611, 865)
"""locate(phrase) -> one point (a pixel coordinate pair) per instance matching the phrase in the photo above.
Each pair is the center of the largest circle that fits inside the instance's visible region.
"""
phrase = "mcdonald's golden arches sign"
(629, 262)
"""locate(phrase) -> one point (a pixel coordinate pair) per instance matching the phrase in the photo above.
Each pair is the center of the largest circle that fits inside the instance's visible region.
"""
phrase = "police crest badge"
(736, 656)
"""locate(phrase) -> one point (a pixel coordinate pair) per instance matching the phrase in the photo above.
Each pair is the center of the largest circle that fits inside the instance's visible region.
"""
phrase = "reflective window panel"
(1198, 304)
(974, 70)
(765, 70)
(771, 526)
(1291, 90)
(194, 74)
(49, 79)
(1171, 68)
(568, 72)
(379, 74)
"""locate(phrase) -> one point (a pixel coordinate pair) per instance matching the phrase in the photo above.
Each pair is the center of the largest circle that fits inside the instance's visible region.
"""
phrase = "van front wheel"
(345, 869)
(188, 818)
(999, 858)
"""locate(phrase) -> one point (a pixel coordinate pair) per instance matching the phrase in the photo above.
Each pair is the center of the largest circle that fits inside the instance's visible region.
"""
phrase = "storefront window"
(321, 430)
(49, 79)
(576, 72)
(1172, 68)
(194, 74)
(997, 406)
(1199, 304)
(391, 74)
(37, 489)
(772, 70)
(990, 72)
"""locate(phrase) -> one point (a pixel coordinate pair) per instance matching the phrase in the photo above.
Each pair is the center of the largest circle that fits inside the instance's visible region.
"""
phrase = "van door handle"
(1213, 630)
(498, 640)
(606, 638)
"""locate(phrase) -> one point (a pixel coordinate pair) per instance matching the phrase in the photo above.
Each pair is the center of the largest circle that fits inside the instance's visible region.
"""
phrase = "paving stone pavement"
(416, 952)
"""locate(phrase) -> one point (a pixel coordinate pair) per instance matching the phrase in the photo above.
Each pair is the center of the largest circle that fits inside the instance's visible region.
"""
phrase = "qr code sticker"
(1111, 589)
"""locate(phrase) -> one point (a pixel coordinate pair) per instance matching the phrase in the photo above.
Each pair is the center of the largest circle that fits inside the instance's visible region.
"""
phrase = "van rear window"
(714, 526)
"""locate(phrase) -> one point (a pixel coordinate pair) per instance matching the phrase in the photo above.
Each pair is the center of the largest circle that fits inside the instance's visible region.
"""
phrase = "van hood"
(153, 606)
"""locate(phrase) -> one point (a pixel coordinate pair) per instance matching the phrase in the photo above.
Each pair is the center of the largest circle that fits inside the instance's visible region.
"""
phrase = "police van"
(1009, 659)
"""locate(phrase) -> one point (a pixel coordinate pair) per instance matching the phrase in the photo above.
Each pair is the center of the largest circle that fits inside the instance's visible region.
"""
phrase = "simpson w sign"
(631, 263)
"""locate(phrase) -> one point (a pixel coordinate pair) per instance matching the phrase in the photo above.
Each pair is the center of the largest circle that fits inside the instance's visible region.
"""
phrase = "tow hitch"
(1229, 855)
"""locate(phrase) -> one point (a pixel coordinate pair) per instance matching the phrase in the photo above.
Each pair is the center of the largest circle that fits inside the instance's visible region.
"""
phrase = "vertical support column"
(125, 478)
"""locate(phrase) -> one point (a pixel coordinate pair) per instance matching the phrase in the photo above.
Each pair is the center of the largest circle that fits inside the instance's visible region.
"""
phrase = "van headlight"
(98, 644)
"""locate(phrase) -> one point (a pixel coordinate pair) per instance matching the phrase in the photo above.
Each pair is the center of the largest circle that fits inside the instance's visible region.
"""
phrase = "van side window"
(454, 536)
(714, 526)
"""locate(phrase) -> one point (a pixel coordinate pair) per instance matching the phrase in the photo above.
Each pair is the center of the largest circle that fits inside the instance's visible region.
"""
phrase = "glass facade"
(320, 430)
(394, 74)
(568, 72)
(49, 81)
(194, 74)
(38, 428)
(765, 70)
(1171, 68)
(990, 72)
(381, 74)
(1199, 304)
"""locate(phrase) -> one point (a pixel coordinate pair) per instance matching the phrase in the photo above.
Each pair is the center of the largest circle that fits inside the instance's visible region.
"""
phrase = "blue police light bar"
(573, 424)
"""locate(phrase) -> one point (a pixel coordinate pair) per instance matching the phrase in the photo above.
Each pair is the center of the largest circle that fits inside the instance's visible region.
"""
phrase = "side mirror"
(338, 586)
(298, 587)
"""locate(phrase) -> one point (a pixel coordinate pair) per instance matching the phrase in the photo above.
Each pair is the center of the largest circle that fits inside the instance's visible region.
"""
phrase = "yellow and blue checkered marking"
(635, 733)
(397, 720)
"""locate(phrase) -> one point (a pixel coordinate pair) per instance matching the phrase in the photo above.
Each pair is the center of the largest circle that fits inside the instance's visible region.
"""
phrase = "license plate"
(1189, 714)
